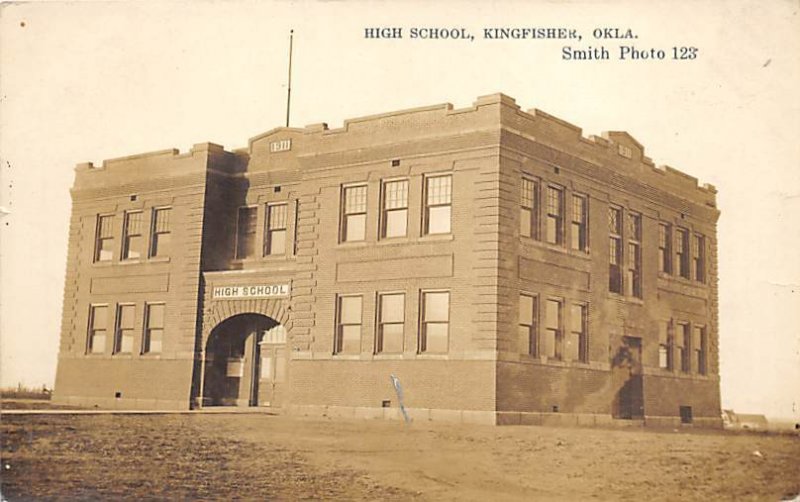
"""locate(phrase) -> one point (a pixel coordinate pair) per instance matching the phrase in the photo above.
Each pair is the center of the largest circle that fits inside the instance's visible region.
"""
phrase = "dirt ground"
(222, 457)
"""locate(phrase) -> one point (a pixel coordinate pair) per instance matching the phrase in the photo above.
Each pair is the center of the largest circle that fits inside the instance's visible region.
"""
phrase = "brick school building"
(501, 265)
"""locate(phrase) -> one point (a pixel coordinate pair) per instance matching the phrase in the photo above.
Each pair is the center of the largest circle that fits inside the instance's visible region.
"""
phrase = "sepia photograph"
(360, 250)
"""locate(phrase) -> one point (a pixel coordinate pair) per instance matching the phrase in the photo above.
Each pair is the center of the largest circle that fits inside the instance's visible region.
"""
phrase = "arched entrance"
(245, 362)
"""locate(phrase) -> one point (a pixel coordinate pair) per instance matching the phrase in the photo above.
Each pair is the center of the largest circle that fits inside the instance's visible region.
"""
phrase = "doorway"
(627, 377)
(272, 366)
(233, 372)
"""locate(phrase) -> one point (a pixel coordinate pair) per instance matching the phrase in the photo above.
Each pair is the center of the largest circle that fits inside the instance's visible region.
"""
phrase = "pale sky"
(84, 81)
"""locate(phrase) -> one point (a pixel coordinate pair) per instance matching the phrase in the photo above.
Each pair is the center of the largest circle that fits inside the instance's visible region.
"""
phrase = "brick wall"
(484, 262)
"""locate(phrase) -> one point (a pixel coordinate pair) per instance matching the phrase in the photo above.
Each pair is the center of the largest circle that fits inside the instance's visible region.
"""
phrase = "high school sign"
(250, 291)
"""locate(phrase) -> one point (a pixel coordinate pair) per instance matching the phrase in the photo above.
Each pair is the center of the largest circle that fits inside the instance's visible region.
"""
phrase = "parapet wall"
(617, 150)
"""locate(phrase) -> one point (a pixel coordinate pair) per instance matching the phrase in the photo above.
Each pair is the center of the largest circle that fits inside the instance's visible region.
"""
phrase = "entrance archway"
(245, 358)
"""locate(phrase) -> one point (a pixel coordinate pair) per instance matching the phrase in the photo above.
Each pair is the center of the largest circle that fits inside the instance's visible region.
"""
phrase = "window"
(634, 277)
(296, 226)
(161, 239)
(394, 220)
(664, 346)
(132, 240)
(528, 312)
(104, 238)
(435, 321)
(579, 239)
(123, 334)
(275, 231)
(552, 332)
(98, 324)
(615, 249)
(575, 348)
(153, 328)
(391, 322)
(555, 215)
(348, 325)
(683, 252)
(529, 209)
(699, 257)
(354, 213)
(684, 341)
(246, 232)
(664, 248)
(438, 201)
(700, 345)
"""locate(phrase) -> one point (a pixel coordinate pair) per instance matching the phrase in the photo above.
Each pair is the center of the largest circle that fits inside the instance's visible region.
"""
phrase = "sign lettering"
(251, 291)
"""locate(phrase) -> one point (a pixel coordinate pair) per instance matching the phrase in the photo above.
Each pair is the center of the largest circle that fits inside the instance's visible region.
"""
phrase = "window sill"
(130, 262)
(244, 261)
(530, 241)
(354, 244)
(436, 237)
(255, 260)
(554, 362)
(385, 356)
(346, 357)
(635, 300)
(560, 363)
(682, 375)
(393, 241)
(276, 257)
(428, 355)
(682, 280)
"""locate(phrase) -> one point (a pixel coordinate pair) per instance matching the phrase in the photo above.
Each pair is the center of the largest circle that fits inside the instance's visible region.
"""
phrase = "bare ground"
(222, 457)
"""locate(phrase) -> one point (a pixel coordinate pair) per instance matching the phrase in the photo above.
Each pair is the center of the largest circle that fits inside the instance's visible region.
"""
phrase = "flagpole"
(289, 90)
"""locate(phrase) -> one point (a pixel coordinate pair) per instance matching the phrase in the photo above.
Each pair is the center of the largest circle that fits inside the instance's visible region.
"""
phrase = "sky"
(87, 81)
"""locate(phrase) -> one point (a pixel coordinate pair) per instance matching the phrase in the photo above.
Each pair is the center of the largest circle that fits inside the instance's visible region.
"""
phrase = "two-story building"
(505, 268)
